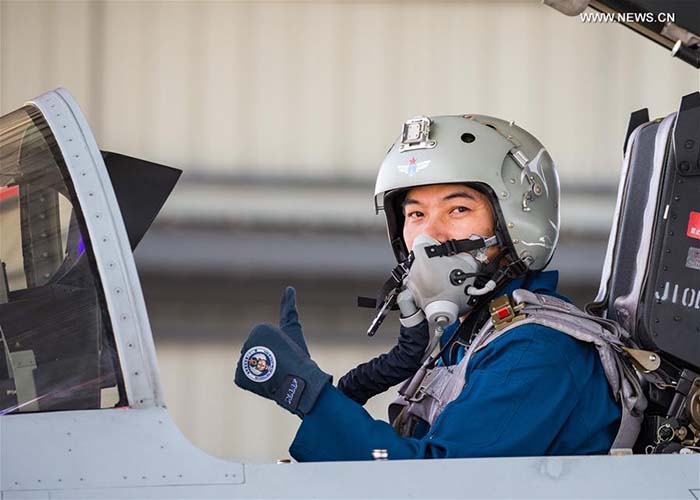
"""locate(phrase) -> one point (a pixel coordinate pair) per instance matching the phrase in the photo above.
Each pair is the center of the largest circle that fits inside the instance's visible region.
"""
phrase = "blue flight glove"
(275, 363)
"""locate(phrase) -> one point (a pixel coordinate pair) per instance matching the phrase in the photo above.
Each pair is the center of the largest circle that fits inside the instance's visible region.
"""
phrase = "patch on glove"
(258, 364)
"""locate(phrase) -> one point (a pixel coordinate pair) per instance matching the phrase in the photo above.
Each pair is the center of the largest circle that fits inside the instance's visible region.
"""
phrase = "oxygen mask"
(439, 286)
(438, 282)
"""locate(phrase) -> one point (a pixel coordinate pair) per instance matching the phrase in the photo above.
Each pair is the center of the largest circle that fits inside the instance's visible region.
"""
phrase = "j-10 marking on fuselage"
(689, 297)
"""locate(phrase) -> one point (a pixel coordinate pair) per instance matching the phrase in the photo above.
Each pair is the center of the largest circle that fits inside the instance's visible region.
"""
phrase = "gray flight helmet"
(495, 156)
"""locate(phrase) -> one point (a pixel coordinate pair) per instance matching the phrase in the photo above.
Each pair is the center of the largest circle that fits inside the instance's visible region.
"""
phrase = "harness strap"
(609, 338)
(430, 393)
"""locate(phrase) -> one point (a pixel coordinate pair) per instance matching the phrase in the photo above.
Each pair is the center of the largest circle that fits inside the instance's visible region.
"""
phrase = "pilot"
(472, 209)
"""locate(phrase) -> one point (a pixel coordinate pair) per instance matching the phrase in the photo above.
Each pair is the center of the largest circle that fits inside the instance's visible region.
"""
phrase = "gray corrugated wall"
(321, 88)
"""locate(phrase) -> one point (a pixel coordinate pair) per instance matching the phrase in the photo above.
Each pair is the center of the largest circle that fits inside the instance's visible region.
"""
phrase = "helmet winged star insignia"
(413, 167)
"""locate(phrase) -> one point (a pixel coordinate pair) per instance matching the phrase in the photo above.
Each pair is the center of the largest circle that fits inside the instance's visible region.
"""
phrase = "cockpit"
(58, 349)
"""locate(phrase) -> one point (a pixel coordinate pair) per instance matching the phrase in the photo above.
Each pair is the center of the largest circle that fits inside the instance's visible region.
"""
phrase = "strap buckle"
(646, 361)
(504, 312)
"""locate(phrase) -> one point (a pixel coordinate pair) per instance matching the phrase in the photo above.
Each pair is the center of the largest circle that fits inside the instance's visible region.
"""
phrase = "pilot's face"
(445, 212)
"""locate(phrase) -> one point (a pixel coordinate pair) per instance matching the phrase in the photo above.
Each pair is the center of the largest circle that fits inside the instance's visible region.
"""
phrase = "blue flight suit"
(533, 391)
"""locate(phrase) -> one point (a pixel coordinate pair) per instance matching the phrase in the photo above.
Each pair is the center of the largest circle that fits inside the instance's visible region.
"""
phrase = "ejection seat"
(651, 277)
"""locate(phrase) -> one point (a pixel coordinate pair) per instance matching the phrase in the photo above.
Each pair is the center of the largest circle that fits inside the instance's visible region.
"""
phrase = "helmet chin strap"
(453, 247)
(499, 274)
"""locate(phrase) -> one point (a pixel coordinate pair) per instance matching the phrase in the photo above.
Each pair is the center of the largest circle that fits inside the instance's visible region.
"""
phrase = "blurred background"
(279, 113)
